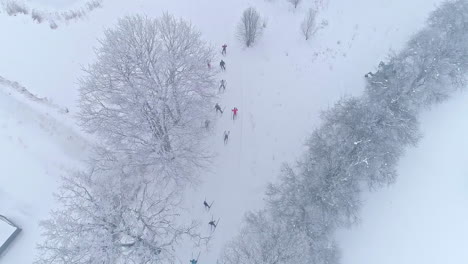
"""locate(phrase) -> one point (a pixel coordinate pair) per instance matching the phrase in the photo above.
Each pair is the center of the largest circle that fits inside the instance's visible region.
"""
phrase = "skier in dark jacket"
(207, 206)
(224, 49)
(213, 224)
(226, 137)
(222, 85)
(195, 261)
(222, 64)
(218, 108)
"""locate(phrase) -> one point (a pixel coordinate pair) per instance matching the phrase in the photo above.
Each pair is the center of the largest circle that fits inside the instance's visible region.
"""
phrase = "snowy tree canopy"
(265, 239)
(114, 216)
(149, 93)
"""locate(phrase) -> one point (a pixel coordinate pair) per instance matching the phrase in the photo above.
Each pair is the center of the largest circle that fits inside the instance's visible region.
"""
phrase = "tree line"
(356, 148)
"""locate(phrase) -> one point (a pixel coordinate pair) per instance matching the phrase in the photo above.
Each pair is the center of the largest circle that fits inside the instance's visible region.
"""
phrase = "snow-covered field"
(280, 85)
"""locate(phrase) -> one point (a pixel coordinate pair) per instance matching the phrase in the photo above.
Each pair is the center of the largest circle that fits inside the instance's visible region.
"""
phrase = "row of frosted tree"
(356, 148)
(144, 100)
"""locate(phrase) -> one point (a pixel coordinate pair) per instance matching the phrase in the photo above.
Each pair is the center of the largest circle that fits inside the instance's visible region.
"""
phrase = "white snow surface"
(280, 85)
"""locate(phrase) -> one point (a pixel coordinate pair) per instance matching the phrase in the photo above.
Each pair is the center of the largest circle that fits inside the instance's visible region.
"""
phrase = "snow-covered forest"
(247, 131)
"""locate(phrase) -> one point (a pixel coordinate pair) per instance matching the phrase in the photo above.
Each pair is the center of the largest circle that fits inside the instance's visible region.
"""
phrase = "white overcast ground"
(280, 85)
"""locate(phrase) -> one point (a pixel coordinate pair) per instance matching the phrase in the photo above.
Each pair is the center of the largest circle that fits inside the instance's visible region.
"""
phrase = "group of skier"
(222, 87)
(213, 224)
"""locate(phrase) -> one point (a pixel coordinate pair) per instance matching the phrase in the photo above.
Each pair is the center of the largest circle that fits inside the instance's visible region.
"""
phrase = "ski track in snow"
(280, 85)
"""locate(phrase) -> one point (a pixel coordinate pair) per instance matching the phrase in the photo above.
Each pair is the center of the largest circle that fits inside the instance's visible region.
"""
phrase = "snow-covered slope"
(279, 86)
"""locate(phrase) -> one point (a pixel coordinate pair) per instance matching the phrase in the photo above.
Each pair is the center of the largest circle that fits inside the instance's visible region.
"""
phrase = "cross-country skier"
(234, 113)
(207, 206)
(222, 85)
(224, 49)
(195, 261)
(222, 64)
(226, 136)
(213, 224)
(218, 108)
(208, 63)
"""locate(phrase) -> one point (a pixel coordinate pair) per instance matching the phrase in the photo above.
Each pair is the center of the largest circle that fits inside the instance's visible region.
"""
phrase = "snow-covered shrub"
(37, 16)
(14, 8)
(250, 26)
(295, 3)
(53, 24)
(308, 25)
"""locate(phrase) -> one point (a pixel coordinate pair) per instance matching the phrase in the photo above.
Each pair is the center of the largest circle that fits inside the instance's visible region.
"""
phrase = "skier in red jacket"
(234, 113)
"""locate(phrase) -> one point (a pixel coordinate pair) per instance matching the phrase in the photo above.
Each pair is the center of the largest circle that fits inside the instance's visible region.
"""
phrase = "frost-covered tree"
(148, 93)
(309, 25)
(112, 214)
(295, 3)
(265, 240)
(250, 26)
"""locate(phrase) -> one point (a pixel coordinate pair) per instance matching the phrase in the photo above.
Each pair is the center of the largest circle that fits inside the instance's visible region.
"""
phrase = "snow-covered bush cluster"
(317, 4)
(15, 7)
(309, 24)
(357, 146)
(295, 3)
(144, 99)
